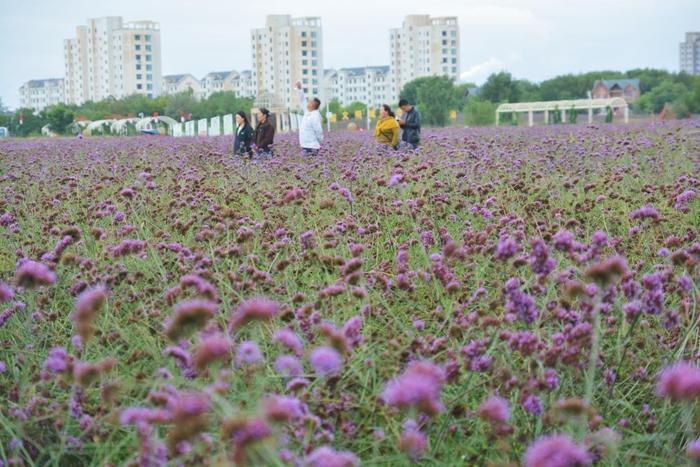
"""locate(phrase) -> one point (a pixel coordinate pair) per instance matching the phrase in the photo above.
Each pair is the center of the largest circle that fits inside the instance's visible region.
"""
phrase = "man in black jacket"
(410, 122)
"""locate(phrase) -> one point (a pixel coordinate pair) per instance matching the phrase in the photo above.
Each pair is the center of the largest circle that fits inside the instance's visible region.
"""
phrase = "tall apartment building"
(370, 85)
(41, 93)
(285, 51)
(690, 53)
(424, 46)
(111, 58)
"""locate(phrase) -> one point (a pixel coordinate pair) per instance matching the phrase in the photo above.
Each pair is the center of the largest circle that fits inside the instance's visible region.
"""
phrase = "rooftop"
(621, 83)
(40, 83)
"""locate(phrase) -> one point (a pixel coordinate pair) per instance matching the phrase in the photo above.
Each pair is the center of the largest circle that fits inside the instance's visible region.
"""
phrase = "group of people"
(249, 142)
(388, 127)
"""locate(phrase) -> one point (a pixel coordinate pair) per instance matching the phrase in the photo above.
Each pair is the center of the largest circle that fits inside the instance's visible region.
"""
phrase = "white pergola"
(148, 122)
(563, 106)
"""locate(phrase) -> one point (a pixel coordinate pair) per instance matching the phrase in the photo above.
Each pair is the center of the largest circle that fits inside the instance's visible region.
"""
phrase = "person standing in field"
(244, 135)
(264, 134)
(410, 122)
(310, 128)
(387, 131)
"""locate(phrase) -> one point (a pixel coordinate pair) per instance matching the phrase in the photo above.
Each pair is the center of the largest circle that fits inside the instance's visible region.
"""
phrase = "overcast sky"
(533, 39)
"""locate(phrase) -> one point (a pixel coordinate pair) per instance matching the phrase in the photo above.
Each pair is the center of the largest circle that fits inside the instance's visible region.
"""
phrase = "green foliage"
(500, 87)
(665, 93)
(435, 96)
(609, 115)
(479, 112)
(556, 116)
(573, 115)
(334, 106)
(60, 118)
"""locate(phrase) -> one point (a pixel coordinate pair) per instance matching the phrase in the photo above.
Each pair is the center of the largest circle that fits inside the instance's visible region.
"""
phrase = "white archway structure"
(100, 123)
(563, 106)
(147, 122)
(119, 126)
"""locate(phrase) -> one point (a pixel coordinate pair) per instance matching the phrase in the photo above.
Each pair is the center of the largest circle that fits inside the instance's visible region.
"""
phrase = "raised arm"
(302, 96)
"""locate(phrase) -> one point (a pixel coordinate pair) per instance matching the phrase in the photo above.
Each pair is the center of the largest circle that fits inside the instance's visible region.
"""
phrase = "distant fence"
(284, 122)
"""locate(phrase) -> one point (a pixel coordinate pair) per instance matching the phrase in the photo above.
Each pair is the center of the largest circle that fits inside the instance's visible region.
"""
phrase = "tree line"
(61, 117)
(435, 96)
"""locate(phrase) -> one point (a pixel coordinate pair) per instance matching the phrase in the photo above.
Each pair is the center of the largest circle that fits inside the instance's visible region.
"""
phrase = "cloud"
(501, 19)
(479, 72)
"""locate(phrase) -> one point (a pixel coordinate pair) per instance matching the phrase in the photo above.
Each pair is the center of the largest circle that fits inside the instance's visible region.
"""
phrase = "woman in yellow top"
(387, 131)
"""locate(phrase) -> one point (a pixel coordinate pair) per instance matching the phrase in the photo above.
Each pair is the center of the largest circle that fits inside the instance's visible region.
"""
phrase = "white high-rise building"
(424, 46)
(111, 58)
(285, 51)
(372, 86)
(690, 53)
(38, 94)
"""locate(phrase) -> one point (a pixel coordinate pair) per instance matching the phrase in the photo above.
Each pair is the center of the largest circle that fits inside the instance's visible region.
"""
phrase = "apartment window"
(139, 86)
(137, 47)
(148, 58)
(303, 33)
(454, 61)
(304, 62)
(313, 34)
(149, 77)
(149, 67)
(313, 43)
(138, 66)
(137, 37)
(303, 43)
(315, 91)
(138, 57)
(454, 34)
(138, 75)
(305, 72)
(303, 53)
(444, 33)
(147, 37)
(148, 48)
(313, 53)
(314, 62)
(149, 86)
(454, 51)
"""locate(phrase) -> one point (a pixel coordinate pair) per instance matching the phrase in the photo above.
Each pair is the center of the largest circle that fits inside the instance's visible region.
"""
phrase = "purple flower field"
(503, 296)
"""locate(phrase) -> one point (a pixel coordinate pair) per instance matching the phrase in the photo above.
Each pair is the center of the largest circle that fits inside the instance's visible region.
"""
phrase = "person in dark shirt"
(264, 134)
(410, 123)
(244, 135)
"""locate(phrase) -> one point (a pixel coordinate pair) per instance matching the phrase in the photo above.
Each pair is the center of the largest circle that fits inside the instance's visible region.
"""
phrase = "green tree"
(59, 117)
(334, 106)
(180, 102)
(500, 87)
(435, 96)
(31, 123)
(479, 112)
(667, 92)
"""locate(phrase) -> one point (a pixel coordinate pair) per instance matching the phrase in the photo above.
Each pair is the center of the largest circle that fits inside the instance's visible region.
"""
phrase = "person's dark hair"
(403, 102)
(265, 112)
(388, 110)
(242, 114)
(318, 102)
